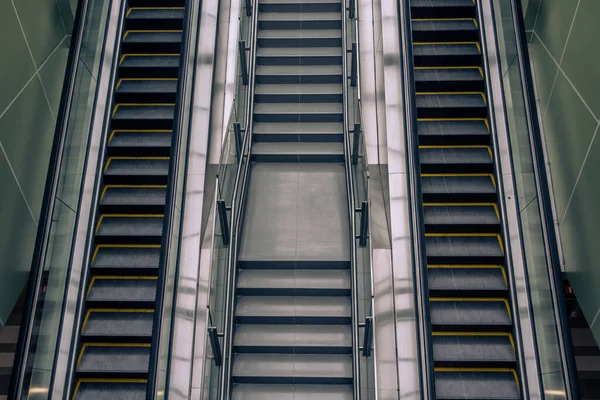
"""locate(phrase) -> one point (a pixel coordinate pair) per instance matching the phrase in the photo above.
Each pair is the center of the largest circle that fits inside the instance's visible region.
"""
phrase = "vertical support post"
(222, 210)
(249, 8)
(214, 344)
(352, 9)
(368, 337)
(237, 133)
(364, 223)
(243, 61)
(354, 66)
(355, 144)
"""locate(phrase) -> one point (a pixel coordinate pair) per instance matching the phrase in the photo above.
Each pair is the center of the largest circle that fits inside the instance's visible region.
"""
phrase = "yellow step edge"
(122, 246)
(488, 334)
(123, 310)
(465, 205)
(103, 380)
(450, 369)
(85, 345)
(100, 277)
(452, 67)
(148, 55)
(497, 235)
(127, 216)
(152, 8)
(131, 158)
(142, 79)
(442, 19)
(491, 176)
(426, 43)
(485, 120)
(453, 93)
(116, 107)
(481, 299)
(112, 133)
(106, 187)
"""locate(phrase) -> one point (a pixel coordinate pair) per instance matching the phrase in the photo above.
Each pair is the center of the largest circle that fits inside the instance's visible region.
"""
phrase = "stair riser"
(465, 260)
(145, 151)
(443, 12)
(119, 304)
(131, 209)
(298, 117)
(124, 271)
(462, 228)
(451, 112)
(117, 339)
(155, 3)
(301, 7)
(294, 158)
(293, 320)
(298, 138)
(112, 375)
(294, 349)
(118, 239)
(160, 124)
(297, 79)
(448, 139)
(447, 61)
(145, 72)
(449, 86)
(460, 197)
(431, 168)
(300, 42)
(298, 98)
(284, 25)
(467, 293)
(445, 36)
(317, 264)
(292, 292)
(152, 97)
(163, 24)
(471, 328)
(292, 380)
(474, 364)
(135, 180)
(298, 60)
(151, 48)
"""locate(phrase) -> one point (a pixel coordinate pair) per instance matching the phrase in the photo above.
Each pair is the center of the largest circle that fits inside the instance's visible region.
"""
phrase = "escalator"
(116, 332)
(292, 318)
(471, 323)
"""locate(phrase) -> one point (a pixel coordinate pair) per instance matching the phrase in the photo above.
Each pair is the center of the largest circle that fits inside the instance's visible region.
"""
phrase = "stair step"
(454, 132)
(473, 351)
(447, 55)
(255, 391)
(154, 42)
(136, 260)
(465, 281)
(298, 93)
(290, 339)
(469, 79)
(301, 21)
(137, 171)
(443, 9)
(140, 143)
(317, 310)
(451, 105)
(298, 132)
(153, 66)
(298, 74)
(472, 250)
(118, 326)
(450, 315)
(297, 152)
(151, 116)
(99, 390)
(155, 18)
(146, 91)
(466, 188)
(140, 229)
(446, 30)
(121, 293)
(114, 362)
(300, 38)
(298, 56)
(292, 368)
(293, 282)
(456, 160)
(299, 6)
(131, 200)
(467, 385)
(302, 112)
(461, 219)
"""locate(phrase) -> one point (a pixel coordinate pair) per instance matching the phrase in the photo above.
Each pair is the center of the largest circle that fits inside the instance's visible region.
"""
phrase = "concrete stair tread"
(305, 16)
(298, 108)
(296, 306)
(304, 148)
(304, 52)
(304, 89)
(298, 70)
(298, 128)
(299, 34)
(294, 278)
(250, 335)
(293, 365)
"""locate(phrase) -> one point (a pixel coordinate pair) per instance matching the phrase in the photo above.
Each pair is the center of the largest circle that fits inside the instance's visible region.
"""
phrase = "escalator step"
(137, 171)
(454, 132)
(94, 390)
(155, 18)
(442, 9)
(456, 160)
(293, 339)
(467, 385)
(308, 56)
(299, 38)
(476, 315)
(470, 250)
(298, 74)
(316, 310)
(108, 361)
(293, 282)
(472, 351)
(461, 219)
(117, 292)
(146, 91)
(325, 369)
(290, 391)
(446, 30)
(458, 188)
(298, 132)
(304, 20)
(156, 3)
(306, 93)
(447, 55)
(141, 229)
(297, 152)
(144, 66)
(130, 200)
(459, 281)
(118, 326)
(140, 144)
(467, 79)
(298, 6)
(451, 105)
(139, 260)
(137, 117)
(151, 42)
(302, 112)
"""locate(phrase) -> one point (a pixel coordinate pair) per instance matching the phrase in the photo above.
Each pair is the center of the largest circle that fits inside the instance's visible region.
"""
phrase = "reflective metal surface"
(525, 343)
(71, 320)
(191, 289)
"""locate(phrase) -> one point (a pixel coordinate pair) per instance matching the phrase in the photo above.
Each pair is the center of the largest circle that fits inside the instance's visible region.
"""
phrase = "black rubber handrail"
(48, 202)
(171, 199)
(543, 193)
(416, 211)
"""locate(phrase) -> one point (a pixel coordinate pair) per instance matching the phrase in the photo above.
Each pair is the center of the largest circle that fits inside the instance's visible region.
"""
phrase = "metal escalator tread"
(471, 317)
(116, 332)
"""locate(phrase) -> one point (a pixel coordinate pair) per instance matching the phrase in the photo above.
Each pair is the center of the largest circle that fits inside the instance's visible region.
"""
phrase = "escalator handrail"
(237, 212)
(416, 211)
(171, 198)
(542, 187)
(38, 261)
